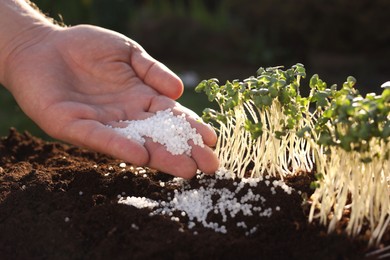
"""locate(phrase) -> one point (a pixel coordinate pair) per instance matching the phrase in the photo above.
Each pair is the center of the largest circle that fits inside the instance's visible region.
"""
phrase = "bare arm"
(20, 25)
(73, 81)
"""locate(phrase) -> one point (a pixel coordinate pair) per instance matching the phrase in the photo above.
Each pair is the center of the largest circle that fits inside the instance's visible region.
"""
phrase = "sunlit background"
(228, 39)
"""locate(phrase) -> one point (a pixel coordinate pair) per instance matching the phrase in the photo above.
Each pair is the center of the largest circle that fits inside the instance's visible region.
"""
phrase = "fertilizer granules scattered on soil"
(61, 202)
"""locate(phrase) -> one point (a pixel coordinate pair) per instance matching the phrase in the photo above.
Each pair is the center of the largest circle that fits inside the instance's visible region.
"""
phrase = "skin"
(74, 81)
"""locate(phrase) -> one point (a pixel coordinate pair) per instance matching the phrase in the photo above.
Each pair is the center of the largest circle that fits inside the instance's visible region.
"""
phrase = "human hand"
(74, 81)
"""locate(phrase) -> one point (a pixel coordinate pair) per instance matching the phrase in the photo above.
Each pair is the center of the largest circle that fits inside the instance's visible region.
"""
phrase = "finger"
(93, 135)
(162, 160)
(156, 74)
(205, 130)
(205, 158)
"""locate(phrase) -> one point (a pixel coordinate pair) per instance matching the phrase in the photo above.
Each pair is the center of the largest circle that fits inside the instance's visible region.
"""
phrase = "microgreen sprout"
(259, 122)
(265, 126)
(353, 131)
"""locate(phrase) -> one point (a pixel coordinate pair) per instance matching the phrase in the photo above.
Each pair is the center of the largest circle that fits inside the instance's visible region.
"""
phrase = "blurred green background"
(228, 39)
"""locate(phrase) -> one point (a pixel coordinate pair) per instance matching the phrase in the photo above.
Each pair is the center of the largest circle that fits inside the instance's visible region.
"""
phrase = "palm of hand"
(94, 77)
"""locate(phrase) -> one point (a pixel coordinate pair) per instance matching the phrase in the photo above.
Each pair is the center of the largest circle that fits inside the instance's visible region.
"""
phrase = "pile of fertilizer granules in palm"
(165, 128)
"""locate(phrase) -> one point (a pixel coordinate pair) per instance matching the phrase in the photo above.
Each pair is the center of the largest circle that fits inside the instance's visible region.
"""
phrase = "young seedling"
(353, 131)
(266, 127)
(259, 122)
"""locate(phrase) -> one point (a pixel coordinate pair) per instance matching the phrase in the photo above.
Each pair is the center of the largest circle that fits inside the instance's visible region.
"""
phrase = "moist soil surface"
(61, 202)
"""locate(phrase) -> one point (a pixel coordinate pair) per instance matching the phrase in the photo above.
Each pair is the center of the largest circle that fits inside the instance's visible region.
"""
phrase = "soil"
(61, 202)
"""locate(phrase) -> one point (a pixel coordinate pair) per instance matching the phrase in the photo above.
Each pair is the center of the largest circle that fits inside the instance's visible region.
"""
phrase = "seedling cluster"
(260, 122)
(266, 127)
(353, 133)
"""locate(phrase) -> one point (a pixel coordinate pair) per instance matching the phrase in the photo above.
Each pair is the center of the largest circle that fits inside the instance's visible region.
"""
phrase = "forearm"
(20, 25)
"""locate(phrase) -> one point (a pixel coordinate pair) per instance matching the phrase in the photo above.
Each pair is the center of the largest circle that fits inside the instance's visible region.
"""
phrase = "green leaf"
(314, 185)
(201, 86)
(325, 139)
(280, 134)
(256, 130)
(273, 92)
(281, 83)
(386, 94)
(321, 98)
(345, 142)
(386, 130)
(266, 100)
(260, 71)
(284, 97)
(301, 133)
(264, 79)
(291, 122)
(318, 176)
(351, 81)
(317, 83)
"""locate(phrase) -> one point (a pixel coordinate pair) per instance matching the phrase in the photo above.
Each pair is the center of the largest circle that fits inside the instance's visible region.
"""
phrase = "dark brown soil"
(43, 215)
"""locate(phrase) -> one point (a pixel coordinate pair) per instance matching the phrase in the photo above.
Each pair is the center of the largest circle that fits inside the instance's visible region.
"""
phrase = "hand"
(74, 81)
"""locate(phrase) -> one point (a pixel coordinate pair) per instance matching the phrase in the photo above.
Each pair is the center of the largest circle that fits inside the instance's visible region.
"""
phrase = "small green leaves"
(262, 101)
(342, 117)
(386, 130)
(304, 132)
(351, 81)
(357, 119)
(210, 115)
(210, 87)
(316, 184)
(279, 134)
(256, 130)
(273, 92)
(317, 83)
(325, 138)
(336, 133)
(321, 98)
(299, 69)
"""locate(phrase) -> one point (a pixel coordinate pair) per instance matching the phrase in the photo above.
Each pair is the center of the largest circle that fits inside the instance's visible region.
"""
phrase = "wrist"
(20, 27)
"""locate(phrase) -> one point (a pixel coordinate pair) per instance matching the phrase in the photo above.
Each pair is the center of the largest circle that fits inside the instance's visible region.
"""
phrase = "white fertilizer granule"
(197, 205)
(138, 202)
(172, 131)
